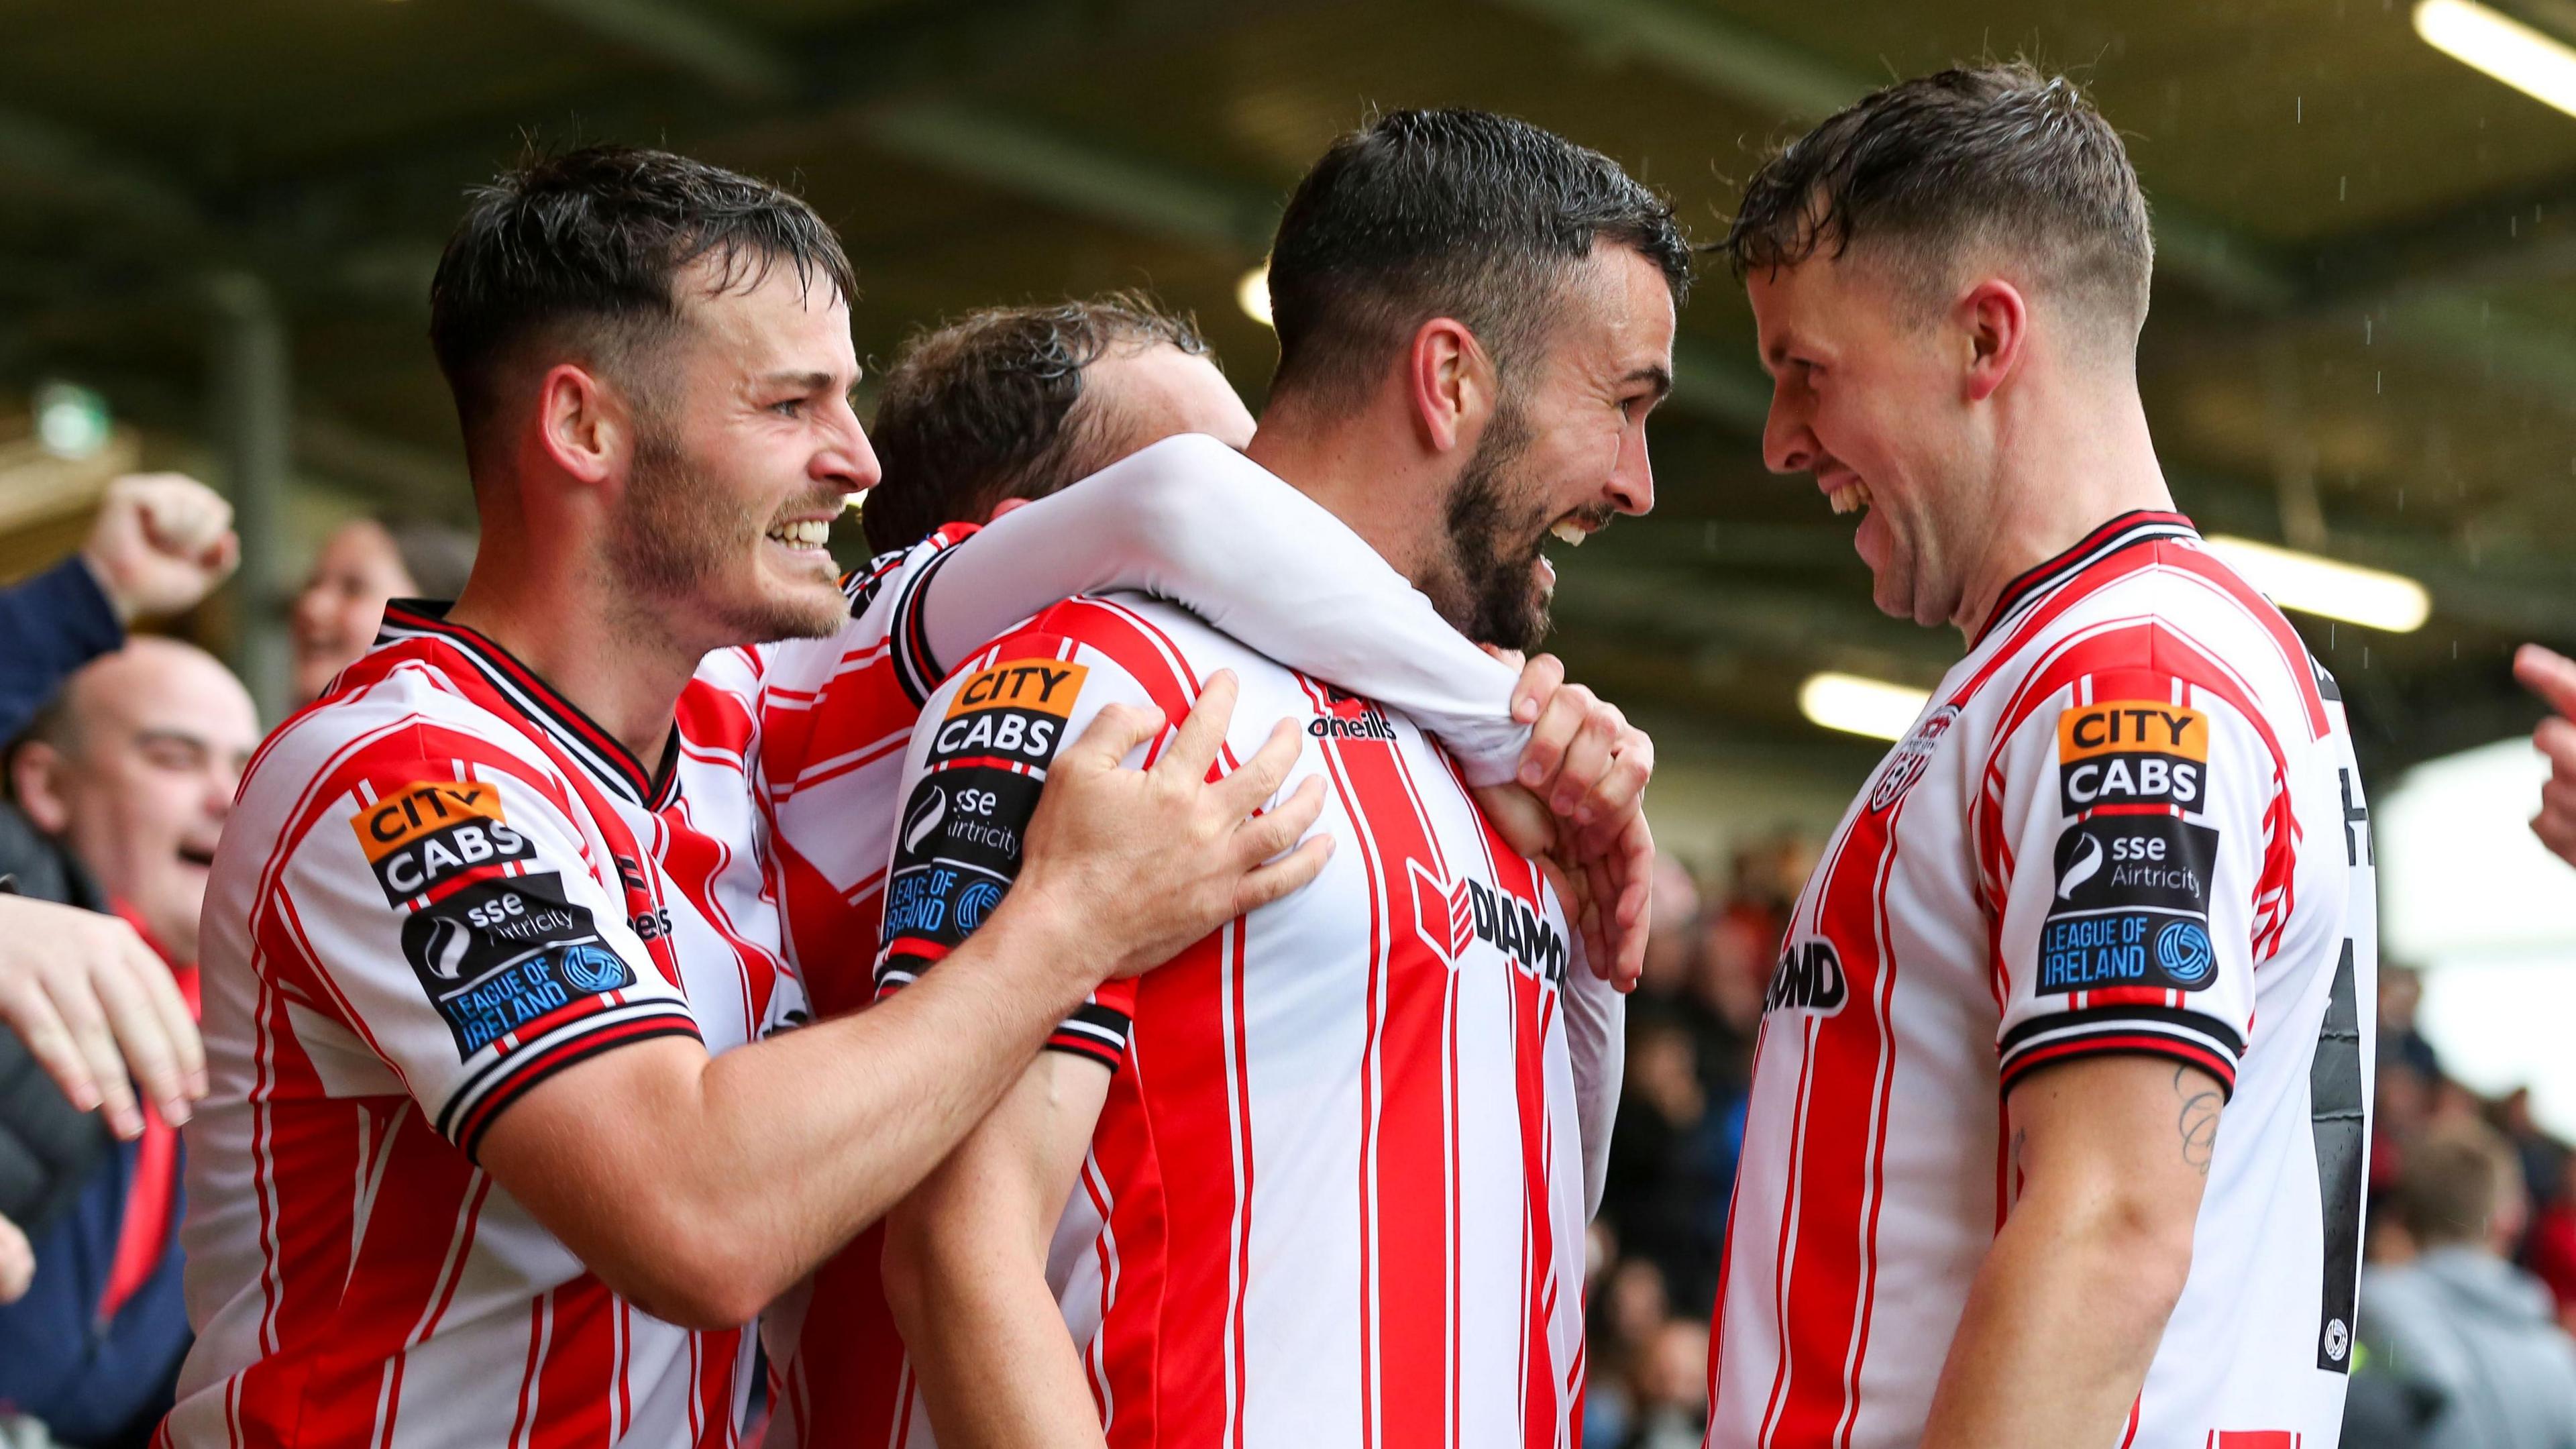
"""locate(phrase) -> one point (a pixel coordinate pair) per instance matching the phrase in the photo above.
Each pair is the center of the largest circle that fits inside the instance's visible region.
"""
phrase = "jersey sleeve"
(1190, 520)
(971, 780)
(2139, 845)
(446, 909)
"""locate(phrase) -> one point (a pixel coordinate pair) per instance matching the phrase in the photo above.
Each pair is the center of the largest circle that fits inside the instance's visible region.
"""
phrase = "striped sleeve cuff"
(2189, 1037)
(547, 1048)
(1094, 1030)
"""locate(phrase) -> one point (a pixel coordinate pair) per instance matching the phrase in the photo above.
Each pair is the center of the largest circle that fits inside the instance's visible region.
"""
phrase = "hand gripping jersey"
(441, 885)
(1334, 1197)
(2127, 822)
(1189, 519)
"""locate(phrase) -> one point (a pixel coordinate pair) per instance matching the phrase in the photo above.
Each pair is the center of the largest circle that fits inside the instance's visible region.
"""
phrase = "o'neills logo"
(1349, 717)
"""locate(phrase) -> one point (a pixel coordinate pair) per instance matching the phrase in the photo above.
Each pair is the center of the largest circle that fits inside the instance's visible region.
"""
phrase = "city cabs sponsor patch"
(498, 954)
(2131, 752)
(1014, 712)
(433, 829)
(2131, 906)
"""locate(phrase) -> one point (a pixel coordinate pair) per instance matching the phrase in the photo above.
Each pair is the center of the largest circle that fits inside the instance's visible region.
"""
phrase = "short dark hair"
(1456, 213)
(2452, 1182)
(581, 250)
(989, 407)
(1989, 154)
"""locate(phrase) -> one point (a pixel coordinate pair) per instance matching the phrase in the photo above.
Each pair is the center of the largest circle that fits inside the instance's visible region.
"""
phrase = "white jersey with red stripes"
(1335, 1196)
(2128, 822)
(441, 885)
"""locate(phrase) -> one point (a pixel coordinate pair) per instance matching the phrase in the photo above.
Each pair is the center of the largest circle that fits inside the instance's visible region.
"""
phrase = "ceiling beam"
(725, 55)
(1046, 164)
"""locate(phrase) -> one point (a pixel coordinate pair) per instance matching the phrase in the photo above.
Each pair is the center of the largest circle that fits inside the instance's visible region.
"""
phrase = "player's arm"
(1211, 536)
(965, 1268)
(2066, 1311)
(700, 1187)
(2129, 847)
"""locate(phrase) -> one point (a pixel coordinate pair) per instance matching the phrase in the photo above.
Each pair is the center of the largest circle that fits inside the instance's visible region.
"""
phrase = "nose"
(849, 462)
(1788, 444)
(1632, 479)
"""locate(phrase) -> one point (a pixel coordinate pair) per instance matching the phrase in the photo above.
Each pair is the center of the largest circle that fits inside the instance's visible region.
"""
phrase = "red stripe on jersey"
(2124, 1044)
(2294, 652)
(1408, 1235)
(574, 1386)
(1833, 1213)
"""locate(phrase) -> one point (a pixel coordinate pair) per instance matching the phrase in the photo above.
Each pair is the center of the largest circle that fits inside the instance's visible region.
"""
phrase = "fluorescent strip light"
(1858, 706)
(2326, 588)
(1252, 294)
(2505, 49)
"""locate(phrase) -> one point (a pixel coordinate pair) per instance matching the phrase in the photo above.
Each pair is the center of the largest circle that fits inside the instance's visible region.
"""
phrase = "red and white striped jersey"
(1335, 1195)
(1189, 519)
(2128, 821)
(440, 885)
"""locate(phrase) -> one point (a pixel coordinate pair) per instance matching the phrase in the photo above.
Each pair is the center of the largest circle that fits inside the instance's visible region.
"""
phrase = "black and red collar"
(580, 736)
(2141, 525)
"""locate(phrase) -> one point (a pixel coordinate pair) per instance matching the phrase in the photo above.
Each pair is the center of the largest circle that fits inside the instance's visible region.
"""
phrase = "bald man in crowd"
(120, 788)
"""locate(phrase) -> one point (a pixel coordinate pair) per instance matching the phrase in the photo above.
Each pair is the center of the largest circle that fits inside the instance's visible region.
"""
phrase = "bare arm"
(965, 1268)
(703, 1187)
(2066, 1312)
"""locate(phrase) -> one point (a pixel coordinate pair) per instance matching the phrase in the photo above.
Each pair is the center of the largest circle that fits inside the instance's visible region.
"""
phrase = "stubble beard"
(677, 536)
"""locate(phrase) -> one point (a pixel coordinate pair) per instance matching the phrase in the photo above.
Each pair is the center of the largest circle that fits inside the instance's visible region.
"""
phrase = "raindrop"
(2298, 110)
(2365, 656)
(2365, 332)
(2455, 648)
(2343, 187)
(2375, 377)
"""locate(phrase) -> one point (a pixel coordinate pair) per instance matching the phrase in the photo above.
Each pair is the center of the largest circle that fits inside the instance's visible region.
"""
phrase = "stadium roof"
(2362, 345)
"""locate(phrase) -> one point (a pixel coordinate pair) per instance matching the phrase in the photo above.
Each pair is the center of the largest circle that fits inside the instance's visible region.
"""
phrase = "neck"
(1370, 471)
(2065, 465)
(555, 606)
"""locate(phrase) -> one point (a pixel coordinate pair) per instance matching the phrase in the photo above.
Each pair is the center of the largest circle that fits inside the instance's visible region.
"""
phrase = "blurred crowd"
(1655, 1246)
(120, 755)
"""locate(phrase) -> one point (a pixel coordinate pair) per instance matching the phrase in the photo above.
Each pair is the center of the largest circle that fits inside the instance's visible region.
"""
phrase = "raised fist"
(162, 542)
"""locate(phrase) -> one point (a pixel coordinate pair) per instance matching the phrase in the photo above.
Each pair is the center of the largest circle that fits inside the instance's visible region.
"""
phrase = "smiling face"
(745, 447)
(335, 614)
(138, 775)
(1869, 398)
(1564, 453)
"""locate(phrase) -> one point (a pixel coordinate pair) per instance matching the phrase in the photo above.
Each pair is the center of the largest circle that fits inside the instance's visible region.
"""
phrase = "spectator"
(2553, 677)
(364, 563)
(1628, 1315)
(1672, 1389)
(1666, 1193)
(161, 543)
(128, 775)
(2550, 1248)
(2460, 1322)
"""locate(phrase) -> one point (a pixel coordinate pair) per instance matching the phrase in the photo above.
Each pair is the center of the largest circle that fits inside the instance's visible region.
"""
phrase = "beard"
(1497, 520)
(678, 538)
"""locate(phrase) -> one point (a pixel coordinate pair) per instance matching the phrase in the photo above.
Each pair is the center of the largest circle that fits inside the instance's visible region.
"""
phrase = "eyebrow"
(802, 381)
(198, 743)
(1654, 375)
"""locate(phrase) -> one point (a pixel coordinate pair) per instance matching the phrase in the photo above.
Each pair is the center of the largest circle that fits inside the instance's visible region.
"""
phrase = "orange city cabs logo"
(430, 830)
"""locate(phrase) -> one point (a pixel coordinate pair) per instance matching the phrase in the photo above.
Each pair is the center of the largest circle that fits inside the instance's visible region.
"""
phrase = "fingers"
(31, 1014)
(1539, 680)
(1620, 792)
(2548, 674)
(1267, 834)
(1288, 873)
(17, 1262)
(187, 1047)
(142, 1034)
(76, 1002)
(1587, 760)
(2556, 738)
(1258, 778)
(1194, 749)
(1558, 721)
(1112, 736)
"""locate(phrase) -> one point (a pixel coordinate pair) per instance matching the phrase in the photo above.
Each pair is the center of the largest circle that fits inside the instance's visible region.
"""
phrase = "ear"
(584, 426)
(1449, 383)
(1997, 322)
(1006, 505)
(35, 778)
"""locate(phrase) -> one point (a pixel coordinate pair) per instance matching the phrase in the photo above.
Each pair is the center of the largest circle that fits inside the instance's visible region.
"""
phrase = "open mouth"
(801, 532)
(1850, 496)
(201, 857)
